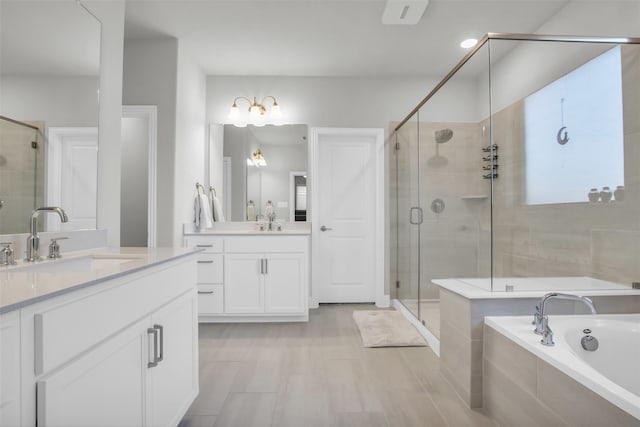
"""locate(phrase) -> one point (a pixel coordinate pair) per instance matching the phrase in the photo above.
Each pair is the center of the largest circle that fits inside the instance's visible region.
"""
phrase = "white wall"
(189, 142)
(325, 101)
(150, 78)
(531, 65)
(111, 15)
(57, 101)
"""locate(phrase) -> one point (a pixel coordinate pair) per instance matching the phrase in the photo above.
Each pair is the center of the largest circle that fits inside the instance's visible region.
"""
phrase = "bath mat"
(386, 328)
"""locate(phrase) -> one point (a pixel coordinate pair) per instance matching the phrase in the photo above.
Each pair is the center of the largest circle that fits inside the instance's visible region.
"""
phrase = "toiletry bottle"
(268, 210)
(251, 211)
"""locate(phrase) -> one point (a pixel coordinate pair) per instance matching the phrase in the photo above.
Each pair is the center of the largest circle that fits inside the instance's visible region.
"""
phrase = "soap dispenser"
(251, 211)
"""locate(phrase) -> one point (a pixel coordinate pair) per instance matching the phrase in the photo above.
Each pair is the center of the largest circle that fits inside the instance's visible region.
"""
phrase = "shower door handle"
(415, 212)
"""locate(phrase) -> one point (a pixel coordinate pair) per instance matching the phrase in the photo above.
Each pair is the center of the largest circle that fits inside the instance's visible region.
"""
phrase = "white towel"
(218, 215)
(202, 212)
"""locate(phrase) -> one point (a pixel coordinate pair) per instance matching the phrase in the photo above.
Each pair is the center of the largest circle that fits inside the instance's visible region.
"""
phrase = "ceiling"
(328, 37)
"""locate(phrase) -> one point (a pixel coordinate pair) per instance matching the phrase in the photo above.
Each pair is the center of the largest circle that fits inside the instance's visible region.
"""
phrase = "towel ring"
(198, 187)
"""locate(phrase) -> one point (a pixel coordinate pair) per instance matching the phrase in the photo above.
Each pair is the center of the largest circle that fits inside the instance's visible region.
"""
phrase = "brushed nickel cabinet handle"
(154, 332)
(161, 351)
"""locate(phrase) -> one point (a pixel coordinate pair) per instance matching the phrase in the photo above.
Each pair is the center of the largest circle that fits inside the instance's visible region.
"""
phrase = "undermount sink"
(74, 265)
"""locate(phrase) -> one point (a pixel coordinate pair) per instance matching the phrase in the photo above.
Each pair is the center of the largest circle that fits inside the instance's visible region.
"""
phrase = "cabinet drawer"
(110, 311)
(210, 299)
(208, 243)
(210, 268)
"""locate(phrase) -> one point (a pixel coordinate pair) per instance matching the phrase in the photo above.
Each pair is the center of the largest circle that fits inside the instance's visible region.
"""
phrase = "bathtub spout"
(541, 319)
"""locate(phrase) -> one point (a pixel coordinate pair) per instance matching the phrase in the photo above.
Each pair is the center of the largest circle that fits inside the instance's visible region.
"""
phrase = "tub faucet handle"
(547, 334)
(537, 321)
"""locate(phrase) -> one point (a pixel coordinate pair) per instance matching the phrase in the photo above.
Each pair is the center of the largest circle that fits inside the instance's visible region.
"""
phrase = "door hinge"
(397, 146)
(397, 284)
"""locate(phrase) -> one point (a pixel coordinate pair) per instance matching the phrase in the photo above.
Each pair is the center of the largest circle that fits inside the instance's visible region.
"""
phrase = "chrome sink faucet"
(33, 241)
(272, 218)
(541, 319)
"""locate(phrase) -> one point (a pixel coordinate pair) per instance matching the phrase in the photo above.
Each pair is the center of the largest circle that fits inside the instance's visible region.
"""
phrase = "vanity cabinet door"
(105, 387)
(173, 382)
(10, 369)
(283, 283)
(243, 292)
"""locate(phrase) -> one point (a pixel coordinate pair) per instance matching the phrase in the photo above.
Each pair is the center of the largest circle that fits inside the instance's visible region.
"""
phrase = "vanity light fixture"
(468, 43)
(256, 159)
(257, 112)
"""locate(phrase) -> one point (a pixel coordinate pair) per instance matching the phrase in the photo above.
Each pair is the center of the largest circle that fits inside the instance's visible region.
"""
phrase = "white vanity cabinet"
(122, 353)
(264, 277)
(10, 369)
(210, 274)
(264, 283)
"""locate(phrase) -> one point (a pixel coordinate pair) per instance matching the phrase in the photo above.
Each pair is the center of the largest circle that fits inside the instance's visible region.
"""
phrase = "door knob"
(325, 228)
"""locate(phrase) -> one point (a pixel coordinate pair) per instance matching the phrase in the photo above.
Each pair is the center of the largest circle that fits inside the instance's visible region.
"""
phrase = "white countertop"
(248, 228)
(531, 287)
(21, 288)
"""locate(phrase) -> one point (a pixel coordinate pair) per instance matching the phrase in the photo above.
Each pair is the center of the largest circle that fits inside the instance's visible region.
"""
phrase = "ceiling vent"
(403, 12)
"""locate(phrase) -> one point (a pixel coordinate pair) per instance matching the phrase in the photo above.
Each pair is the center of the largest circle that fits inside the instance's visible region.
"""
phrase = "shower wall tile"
(615, 255)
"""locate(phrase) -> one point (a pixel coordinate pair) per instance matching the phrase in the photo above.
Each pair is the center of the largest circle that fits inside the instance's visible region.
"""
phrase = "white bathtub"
(612, 371)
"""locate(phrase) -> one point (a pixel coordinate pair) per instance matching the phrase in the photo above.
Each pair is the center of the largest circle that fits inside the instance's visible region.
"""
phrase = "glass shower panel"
(408, 214)
(567, 199)
(21, 175)
(455, 234)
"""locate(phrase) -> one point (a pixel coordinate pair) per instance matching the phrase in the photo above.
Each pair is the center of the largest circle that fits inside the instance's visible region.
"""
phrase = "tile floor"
(318, 374)
(429, 312)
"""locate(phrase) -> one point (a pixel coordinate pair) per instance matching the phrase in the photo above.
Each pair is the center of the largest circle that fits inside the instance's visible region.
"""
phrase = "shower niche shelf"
(474, 197)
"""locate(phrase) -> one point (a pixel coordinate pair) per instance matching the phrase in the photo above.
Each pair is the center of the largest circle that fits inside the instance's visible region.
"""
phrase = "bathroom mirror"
(268, 163)
(49, 80)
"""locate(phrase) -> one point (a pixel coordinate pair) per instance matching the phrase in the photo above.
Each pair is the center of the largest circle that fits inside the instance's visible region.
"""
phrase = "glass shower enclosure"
(520, 163)
(21, 173)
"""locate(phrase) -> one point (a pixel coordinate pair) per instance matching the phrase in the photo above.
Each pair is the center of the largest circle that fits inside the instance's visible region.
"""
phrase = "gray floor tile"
(319, 374)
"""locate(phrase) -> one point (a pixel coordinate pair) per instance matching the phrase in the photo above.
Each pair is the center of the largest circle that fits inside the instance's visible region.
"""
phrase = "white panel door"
(72, 177)
(284, 283)
(345, 225)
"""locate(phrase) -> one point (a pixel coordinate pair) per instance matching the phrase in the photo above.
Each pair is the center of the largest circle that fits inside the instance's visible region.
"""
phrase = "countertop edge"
(112, 276)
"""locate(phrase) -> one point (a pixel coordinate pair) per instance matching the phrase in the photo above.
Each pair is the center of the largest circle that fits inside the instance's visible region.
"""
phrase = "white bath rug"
(386, 328)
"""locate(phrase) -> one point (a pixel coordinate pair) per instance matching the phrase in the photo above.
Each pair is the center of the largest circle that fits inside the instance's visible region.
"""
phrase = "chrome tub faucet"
(541, 318)
(33, 241)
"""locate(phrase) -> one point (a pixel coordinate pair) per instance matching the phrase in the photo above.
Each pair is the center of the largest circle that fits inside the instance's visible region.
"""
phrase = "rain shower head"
(443, 135)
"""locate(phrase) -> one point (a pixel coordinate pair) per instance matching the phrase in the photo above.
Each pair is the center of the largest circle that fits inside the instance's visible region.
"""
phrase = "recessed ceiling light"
(468, 43)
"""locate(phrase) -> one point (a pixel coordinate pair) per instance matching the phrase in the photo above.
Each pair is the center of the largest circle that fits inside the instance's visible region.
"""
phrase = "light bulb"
(276, 113)
(234, 112)
(468, 43)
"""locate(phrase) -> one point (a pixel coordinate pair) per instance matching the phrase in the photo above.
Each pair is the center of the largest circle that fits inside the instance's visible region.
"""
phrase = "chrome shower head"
(443, 135)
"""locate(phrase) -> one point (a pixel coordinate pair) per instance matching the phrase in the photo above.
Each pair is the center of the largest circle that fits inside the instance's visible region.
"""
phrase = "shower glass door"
(408, 214)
